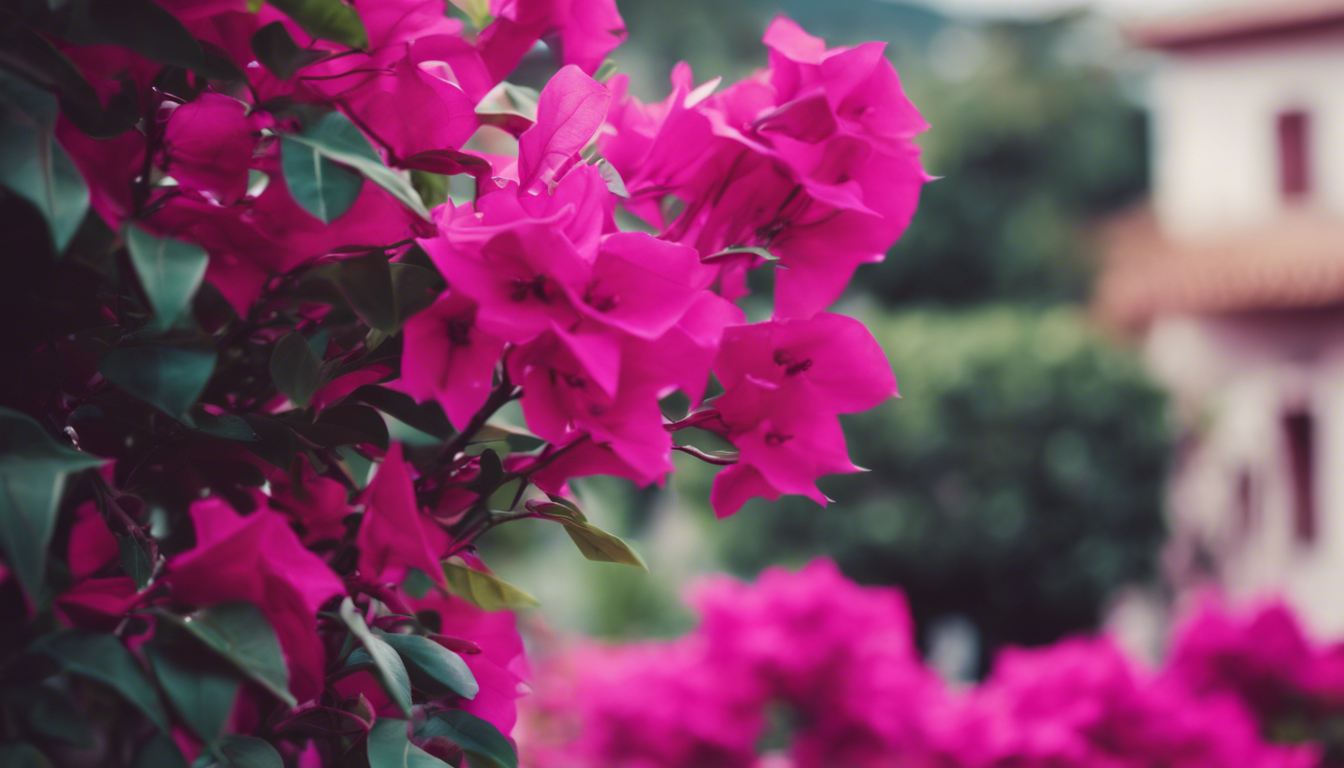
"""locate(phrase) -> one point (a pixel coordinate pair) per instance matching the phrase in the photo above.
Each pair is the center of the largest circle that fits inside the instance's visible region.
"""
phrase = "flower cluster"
(838, 661)
(348, 300)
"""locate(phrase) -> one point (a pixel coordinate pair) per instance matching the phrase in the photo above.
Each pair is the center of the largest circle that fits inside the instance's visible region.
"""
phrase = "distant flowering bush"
(315, 218)
(838, 661)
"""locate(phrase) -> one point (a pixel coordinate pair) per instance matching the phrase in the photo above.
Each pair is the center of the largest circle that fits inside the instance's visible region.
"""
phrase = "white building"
(1234, 277)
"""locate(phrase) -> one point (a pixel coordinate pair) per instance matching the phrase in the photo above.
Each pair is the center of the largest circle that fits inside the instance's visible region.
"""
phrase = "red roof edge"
(1272, 21)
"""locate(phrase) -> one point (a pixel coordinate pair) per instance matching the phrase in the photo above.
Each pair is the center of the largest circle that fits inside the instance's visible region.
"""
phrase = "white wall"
(1233, 379)
(1215, 138)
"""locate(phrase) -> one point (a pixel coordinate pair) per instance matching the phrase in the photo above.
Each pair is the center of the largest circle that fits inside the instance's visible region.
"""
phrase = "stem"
(708, 458)
(499, 397)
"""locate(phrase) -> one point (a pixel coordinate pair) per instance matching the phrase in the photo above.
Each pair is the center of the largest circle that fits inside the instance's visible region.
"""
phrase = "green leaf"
(33, 468)
(145, 27)
(737, 252)
(31, 55)
(484, 745)
(102, 657)
(278, 52)
(202, 695)
(240, 634)
(484, 590)
(387, 664)
(225, 425)
(22, 756)
(135, 561)
(276, 443)
(235, 751)
(296, 368)
(432, 187)
(366, 283)
(319, 185)
(433, 668)
(413, 290)
(336, 138)
(47, 711)
(604, 72)
(36, 168)
(389, 746)
(331, 20)
(426, 417)
(160, 752)
(169, 378)
(348, 424)
(593, 542)
(170, 271)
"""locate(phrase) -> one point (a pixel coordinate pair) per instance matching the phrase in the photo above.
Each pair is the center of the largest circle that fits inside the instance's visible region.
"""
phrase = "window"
(1300, 438)
(1294, 153)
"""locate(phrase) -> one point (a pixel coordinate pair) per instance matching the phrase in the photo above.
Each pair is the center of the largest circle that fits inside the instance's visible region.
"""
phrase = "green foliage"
(485, 590)
(1018, 481)
(102, 657)
(160, 752)
(433, 668)
(318, 184)
(389, 746)
(33, 166)
(483, 744)
(296, 368)
(387, 665)
(167, 376)
(236, 751)
(240, 635)
(327, 19)
(337, 139)
(33, 468)
(170, 271)
(201, 694)
(278, 52)
(46, 711)
(593, 542)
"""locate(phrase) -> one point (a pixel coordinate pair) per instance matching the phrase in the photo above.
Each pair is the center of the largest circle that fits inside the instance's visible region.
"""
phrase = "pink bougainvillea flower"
(97, 603)
(92, 545)
(316, 503)
(207, 146)
(447, 358)
(582, 32)
(828, 362)
(644, 286)
(259, 559)
(394, 536)
(571, 109)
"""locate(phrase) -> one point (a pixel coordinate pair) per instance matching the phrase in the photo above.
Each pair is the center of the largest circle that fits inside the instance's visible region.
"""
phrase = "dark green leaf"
(413, 289)
(170, 271)
(278, 52)
(318, 184)
(387, 665)
(490, 474)
(433, 668)
(348, 424)
(389, 746)
(22, 756)
(275, 443)
(144, 27)
(36, 168)
(426, 417)
(432, 187)
(135, 561)
(331, 20)
(296, 369)
(169, 378)
(33, 468)
(160, 752)
(483, 589)
(336, 138)
(484, 745)
(202, 695)
(103, 658)
(241, 635)
(738, 252)
(593, 542)
(225, 425)
(366, 283)
(48, 712)
(235, 751)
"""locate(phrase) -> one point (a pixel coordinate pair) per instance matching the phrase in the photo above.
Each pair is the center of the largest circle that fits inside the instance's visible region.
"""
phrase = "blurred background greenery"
(1017, 484)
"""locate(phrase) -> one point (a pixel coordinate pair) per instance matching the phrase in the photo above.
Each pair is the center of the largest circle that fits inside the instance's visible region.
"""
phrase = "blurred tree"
(1017, 482)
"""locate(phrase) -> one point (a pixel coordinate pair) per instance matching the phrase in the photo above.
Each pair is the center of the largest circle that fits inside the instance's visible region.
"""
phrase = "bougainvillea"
(808, 669)
(313, 297)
